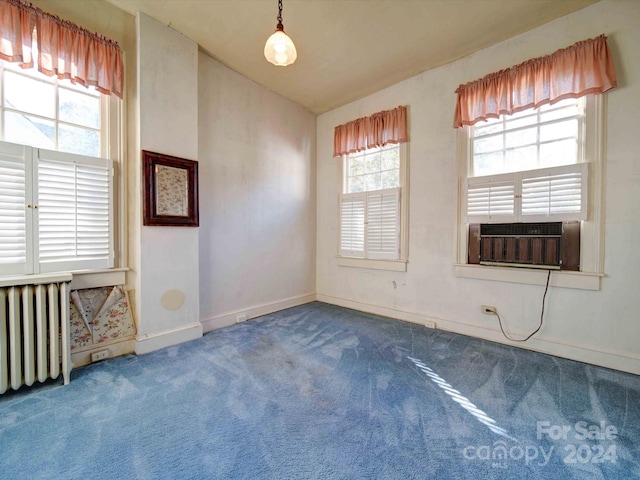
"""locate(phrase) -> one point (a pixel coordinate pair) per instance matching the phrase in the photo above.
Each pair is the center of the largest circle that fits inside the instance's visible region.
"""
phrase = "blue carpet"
(322, 392)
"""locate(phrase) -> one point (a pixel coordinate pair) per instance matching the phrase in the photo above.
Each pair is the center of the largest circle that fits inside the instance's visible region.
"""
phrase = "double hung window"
(530, 150)
(56, 183)
(370, 203)
(528, 167)
(372, 213)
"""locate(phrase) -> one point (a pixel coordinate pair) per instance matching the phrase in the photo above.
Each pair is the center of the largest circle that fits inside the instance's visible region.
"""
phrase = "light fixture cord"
(280, 26)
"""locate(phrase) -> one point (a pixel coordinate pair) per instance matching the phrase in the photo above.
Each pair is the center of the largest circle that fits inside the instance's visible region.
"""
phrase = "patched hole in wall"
(99, 315)
(172, 299)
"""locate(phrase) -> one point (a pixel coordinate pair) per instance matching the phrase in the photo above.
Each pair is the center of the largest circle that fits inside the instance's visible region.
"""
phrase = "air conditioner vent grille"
(521, 229)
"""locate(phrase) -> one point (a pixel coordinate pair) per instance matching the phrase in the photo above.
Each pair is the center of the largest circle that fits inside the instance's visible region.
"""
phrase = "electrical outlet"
(101, 355)
(488, 309)
(241, 318)
(430, 324)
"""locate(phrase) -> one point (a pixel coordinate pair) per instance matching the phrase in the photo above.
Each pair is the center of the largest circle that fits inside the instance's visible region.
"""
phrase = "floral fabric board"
(98, 315)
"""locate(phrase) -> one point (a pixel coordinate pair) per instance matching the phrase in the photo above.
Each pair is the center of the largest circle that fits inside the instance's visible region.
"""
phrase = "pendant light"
(279, 48)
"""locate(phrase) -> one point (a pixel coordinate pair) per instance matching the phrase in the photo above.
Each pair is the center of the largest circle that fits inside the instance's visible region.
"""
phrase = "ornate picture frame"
(170, 190)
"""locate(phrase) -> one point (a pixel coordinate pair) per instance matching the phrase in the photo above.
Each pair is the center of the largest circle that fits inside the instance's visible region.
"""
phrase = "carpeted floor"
(321, 392)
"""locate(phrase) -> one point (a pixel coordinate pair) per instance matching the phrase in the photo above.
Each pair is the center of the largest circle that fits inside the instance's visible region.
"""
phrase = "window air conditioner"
(550, 245)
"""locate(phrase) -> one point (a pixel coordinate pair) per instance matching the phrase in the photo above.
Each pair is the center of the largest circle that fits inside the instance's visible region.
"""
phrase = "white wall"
(257, 198)
(596, 326)
(168, 124)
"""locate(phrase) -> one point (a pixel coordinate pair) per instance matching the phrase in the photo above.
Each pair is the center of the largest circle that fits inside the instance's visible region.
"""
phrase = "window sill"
(391, 265)
(98, 278)
(559, 278)
(79, 279)
(35, 279)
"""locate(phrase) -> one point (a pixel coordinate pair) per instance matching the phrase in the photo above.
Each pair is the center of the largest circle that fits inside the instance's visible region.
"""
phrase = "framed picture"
(170, 190)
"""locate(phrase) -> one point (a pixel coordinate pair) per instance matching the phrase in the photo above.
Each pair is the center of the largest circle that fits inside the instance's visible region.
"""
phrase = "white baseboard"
(151, 342)
(116, 349)
(626, 362)
(230, 318)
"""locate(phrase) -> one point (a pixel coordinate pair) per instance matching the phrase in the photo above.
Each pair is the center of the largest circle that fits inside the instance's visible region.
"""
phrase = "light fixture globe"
(280, 49)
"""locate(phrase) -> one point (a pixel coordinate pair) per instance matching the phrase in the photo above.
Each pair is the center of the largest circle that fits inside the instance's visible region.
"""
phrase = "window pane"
(28, 130)
(373, 182)
(555, 131)
(390, 158)
(490, 126)
(489, 144)
(521, 122)
(558, 153)
(391, 179)
(488, 164)
(522, 137)
(356, 184)
(524, 158)
(79, 108)
(356, 165)
(29, 95)
(374, 169)
(78, 140)
(372, 163)
(559, 113)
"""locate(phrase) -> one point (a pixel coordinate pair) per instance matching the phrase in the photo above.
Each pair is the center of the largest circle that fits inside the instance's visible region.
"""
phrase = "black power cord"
(546, 288)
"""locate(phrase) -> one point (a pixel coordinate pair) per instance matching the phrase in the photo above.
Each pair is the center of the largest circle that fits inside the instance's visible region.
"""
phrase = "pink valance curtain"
(581, 69)
(389, 126)
(64, 49)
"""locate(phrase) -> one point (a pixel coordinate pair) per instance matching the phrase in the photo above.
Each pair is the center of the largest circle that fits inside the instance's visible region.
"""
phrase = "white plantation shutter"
(370, 224)
(74, 212)
(15, 226)
(543, 195)
(352, 218)
(383, 224)
(56, 211)
(555, 193)
(491, 199)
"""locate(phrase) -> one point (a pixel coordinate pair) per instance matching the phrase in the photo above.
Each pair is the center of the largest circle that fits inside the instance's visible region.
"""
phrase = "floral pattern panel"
(80, 329)
(172, 191)
(98, 315)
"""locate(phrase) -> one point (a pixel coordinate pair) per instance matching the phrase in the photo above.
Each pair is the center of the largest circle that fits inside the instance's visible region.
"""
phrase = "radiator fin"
(34, 331)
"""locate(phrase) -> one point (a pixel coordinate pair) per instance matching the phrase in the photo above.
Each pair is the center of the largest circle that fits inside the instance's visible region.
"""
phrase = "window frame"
(539, 125)
(112, 147)
(399, 264)
(591, 151)
(57, 84)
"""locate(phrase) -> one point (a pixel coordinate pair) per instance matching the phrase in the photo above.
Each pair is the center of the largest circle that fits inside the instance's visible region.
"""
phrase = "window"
(45, 112)
(539, 165)
(532, 139)
(527, 167)
(57, 190)
(373, 205)
(544, 130)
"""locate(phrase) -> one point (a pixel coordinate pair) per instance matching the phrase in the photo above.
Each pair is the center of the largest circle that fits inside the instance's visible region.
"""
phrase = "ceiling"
(347, 49)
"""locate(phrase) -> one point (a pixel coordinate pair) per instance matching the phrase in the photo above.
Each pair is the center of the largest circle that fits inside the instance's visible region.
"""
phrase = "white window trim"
(113, 144)
(399, 265)
(115, 141)
(592, 229)
(105, 106)
(116, 132)
(391, 265)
